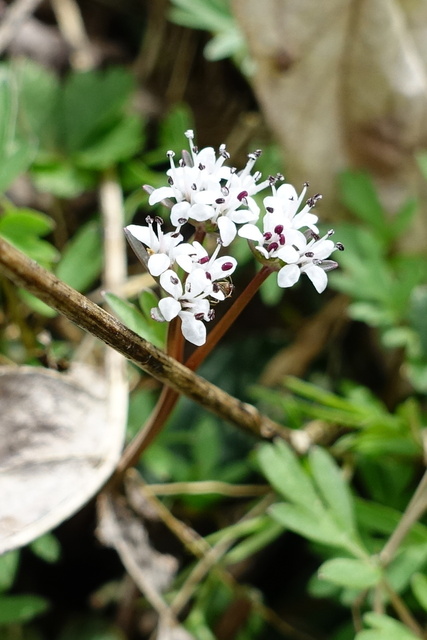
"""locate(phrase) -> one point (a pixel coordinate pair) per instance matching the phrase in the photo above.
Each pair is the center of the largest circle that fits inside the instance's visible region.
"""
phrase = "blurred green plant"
(214, 16)
(387, 287)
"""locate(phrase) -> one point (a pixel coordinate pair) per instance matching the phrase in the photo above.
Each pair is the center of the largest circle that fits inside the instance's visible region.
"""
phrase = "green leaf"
(25, 221)
(37, 305)
(47, 548)
(147, 300)
(60, 178)
(21, 608)
(15, 153)
(92, 103)
(132, 318)
(283, 470)
(313, 526)
(332, 487)
(419, 588)
(82, 258)
(39, 96)
(8, 567)
(349, 572)
(385, 628)
(360, 197)
(112, 146)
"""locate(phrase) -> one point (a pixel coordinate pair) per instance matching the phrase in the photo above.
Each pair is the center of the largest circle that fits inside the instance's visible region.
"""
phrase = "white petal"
(169, 308)
(216, 269)
(139, 232)
(157, 263)
(170, 282)
(250, 232)
(197, 282)
(160, 194)
(317, 276)
(288, 254)
(179, 212)
(323, 249)
(201, 212)
(288, 275)
(193, 330)
(295, 237)
(227, 230)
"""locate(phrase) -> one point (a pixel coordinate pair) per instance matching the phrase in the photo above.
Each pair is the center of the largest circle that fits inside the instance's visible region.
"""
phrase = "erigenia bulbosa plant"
(217, 202)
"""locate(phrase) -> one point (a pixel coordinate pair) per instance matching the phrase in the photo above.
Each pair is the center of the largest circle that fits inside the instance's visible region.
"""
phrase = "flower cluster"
(203, 191)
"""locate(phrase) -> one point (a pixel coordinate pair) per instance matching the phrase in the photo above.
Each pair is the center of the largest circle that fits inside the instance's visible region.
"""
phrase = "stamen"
(194, 186)
(267, 235)
(309, 254)
(272, 246)
(170, 181)
(269, 209)
(242, 196)
(182, 220)
(202, 166)
(149, 220)
(226, 266)
(174, 280)
(220, 201)
(199, 316)
(204, 260)
(340, 246)
(278, 229)
(159, 220)
(211, 314)
(282, 239)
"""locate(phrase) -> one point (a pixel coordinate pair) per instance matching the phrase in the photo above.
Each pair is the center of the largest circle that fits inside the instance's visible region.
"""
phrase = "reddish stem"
(199, 355)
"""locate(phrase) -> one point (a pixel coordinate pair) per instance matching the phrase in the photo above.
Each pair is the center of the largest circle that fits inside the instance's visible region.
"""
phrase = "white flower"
(205, 190)
(163, 248)
(287, 202)
(311, 261)
(189, 302)
(277, 240)
(214, 267)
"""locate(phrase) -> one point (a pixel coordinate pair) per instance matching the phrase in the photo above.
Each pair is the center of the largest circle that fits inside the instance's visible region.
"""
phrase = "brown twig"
(27, 273)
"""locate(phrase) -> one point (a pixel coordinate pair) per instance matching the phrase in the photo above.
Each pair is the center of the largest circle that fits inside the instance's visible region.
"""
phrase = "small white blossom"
(207, 191)
(313, 262)
(163, 248)
(189, 302)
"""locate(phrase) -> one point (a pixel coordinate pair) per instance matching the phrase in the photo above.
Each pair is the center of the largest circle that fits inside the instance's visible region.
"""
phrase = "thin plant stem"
(26, 273)
(169, 397)
(199, 355)
(416, 507)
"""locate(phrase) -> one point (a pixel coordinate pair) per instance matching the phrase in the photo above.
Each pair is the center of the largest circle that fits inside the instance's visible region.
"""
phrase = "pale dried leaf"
(58, 445)
(343, 84)
(151, 571)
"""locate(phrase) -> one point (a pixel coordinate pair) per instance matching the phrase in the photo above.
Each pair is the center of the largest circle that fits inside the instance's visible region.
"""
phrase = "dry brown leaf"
(343, 84)
(58, 445)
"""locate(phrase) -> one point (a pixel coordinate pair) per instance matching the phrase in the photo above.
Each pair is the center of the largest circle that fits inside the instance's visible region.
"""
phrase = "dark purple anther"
(309, 254)
(242, 196)
(226, 266)
(282, 239)
(340, 246)
(267, 235)
(199, 316)
(219, 201)
(278, 229)
(201, 167)
(269, 209)
(204, 260)
(272, 246)
(174, 280)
